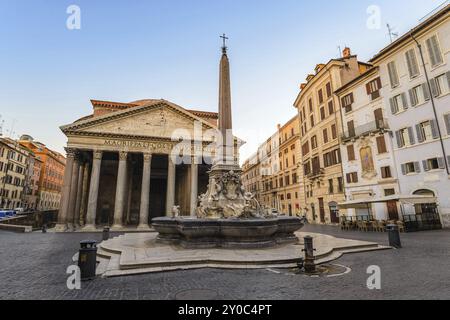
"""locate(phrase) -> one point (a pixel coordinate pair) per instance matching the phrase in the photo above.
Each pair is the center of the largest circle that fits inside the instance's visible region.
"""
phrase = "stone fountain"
(227, 216)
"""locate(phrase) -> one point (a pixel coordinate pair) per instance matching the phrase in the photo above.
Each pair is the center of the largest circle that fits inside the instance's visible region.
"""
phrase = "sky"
(126, 50)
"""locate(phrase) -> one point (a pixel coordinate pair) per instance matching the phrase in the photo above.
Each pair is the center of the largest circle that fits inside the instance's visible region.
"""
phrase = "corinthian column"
(145, 193)
(170, 196)
(73, 191)
(120, 191)
(194, 186)
(65, 197)
(84, 195)
(76, 219)
(93, 192)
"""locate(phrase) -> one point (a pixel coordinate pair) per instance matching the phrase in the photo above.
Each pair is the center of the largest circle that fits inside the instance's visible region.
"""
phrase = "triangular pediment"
(160, 119)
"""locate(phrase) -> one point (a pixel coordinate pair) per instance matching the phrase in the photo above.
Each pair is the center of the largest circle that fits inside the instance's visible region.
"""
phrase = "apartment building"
(369, 169)
(415, 84)
(320, 128)
(13, 172)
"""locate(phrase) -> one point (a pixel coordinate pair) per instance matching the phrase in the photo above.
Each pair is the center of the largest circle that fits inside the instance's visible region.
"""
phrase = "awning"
(407, 199)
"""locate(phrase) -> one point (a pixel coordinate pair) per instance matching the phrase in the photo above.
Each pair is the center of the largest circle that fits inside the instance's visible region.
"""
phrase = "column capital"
(97, 155)
(123, 155)
(71, 153)
(148, 157)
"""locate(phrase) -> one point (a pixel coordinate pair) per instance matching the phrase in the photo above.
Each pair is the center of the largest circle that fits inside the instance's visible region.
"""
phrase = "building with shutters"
(369, 167)
(274, 173)
(415, 87)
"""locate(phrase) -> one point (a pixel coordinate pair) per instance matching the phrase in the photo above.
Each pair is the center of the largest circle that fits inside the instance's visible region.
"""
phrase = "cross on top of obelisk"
(224, 47)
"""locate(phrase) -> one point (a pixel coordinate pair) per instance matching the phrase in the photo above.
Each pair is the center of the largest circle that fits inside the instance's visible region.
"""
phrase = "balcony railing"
(366, 129)
(316, 174)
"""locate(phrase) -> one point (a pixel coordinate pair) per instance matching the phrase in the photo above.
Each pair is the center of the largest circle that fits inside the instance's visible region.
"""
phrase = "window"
(294, 178)
(411, 61)
(440, 85)
(305, 148)
(427, 131)
(434, 51)
(433, 164)
(330, 107)
(310, 103)
(332, 158)
(351, 153)
(386, 172)
(333, 131)
(316, 165)
(325, 135)
(320, 96)
(347, 102)
(314, 142)
(410, 168)
(352, 177)
(330, 186)
(373, 88)
(381, 145)
(287, 179)
(399, 102)
(393, 75)
(351, 129)
(328, 86)
(419, 94)
(322, 113)
(405, 137)
(389, 192)
(340, 184)
(312, 120)
(446, 120)
(307, 168)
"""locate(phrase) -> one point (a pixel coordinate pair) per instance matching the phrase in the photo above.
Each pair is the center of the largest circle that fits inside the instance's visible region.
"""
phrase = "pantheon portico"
(120, 171)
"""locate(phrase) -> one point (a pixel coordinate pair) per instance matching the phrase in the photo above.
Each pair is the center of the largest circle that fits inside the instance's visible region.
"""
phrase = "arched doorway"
(425, 208)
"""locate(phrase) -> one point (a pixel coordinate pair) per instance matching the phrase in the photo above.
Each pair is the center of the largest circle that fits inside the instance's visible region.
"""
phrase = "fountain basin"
(227, 233)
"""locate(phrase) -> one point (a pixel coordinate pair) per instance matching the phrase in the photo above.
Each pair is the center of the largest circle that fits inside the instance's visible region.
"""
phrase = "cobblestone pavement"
(33, 266)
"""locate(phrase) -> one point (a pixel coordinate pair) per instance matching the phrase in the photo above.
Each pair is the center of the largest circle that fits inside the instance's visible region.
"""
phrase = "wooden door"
(392, 210)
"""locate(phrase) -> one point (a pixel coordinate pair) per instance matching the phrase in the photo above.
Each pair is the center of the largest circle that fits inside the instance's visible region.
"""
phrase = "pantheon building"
(119, 170)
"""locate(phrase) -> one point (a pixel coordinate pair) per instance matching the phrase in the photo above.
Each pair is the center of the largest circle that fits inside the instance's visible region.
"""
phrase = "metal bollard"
(394, 236)
(44, 228)
(87, 259)
(105, 233)
(309, 264)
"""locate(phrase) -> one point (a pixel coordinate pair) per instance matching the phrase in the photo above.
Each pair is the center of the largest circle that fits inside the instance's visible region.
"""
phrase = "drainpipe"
(432, 102)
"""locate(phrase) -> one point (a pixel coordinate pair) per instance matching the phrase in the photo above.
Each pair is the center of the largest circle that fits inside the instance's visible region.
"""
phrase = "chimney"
(346, 52)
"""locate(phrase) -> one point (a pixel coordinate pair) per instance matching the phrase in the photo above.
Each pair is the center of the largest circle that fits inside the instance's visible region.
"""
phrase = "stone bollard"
(44, 228)
(309, 264)
(105, 233)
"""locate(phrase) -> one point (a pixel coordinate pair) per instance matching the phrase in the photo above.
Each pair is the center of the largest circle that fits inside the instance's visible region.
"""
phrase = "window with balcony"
(316, 166)
(305, 148)
(434, 51)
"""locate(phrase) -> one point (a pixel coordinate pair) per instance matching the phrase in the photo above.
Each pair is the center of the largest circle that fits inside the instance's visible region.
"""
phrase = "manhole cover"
(197, 294)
